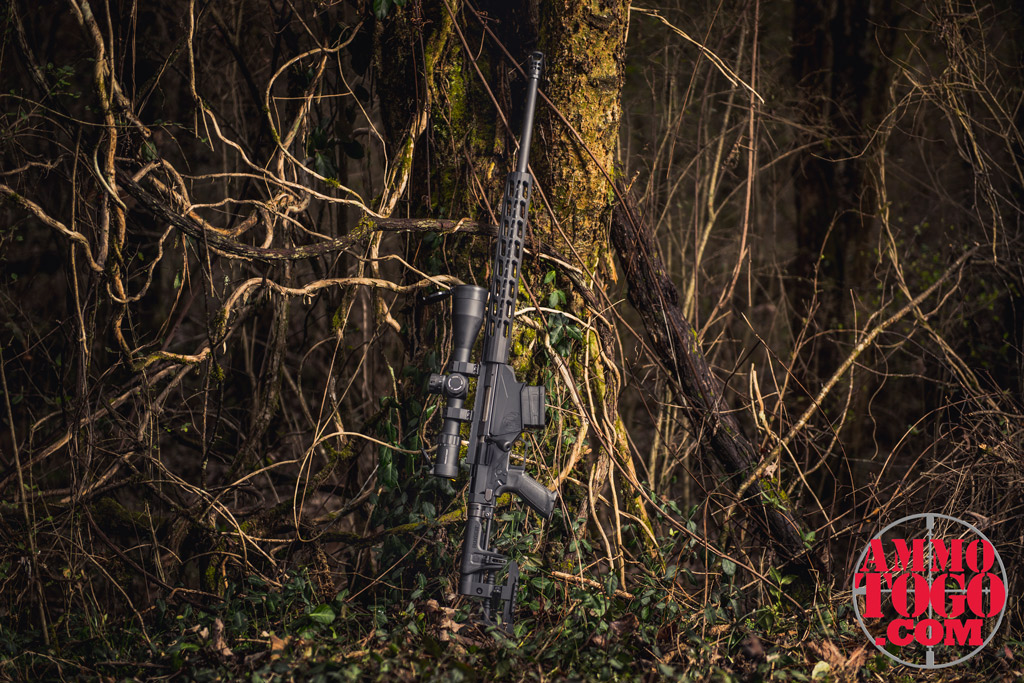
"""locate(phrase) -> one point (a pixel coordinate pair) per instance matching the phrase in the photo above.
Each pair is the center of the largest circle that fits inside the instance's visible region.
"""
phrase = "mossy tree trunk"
(468, 91)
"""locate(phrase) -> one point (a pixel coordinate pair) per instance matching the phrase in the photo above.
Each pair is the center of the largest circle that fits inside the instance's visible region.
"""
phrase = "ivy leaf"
(148, 151)
(381, 7)
(556, 333)
(354, 149)
(388, 472)
(323, 614)
(324, 166)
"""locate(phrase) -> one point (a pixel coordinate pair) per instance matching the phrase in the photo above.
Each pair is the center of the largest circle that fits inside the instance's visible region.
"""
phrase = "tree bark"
(653, 294)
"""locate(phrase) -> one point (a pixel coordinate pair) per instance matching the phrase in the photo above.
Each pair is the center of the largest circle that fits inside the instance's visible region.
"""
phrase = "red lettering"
(873, 592)
(909, 556)
(938, 595)
(937, 599)
(942, 556)
(988, 556)
(976, 595)
(928, 632)
(894, 631)
(900, 593)
(876, 554)
(963, 632)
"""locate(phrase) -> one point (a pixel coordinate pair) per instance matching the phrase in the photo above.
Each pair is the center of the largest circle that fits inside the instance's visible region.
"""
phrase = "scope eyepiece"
(447, 464)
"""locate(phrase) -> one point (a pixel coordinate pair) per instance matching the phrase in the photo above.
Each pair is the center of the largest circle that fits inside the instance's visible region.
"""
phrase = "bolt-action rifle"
(503, 407)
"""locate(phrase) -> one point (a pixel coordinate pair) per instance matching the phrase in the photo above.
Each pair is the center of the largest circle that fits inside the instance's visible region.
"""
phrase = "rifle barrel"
(533, 69)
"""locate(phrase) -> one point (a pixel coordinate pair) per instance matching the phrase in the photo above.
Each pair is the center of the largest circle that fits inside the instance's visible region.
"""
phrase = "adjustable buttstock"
(535, 494)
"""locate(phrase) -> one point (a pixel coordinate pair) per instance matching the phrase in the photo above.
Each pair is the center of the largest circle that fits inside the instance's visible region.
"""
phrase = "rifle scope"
(469, 305)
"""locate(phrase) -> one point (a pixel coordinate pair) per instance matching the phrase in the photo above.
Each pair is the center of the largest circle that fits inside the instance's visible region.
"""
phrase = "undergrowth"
(671, 626)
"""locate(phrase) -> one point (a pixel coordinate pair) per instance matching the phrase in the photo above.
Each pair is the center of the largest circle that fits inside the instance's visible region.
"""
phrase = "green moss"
(364, 228)
(435, 47)
(217, 373)
(221, 323)
(528, 337)
(454, 79)
(405, 159)
(337, 320)
(774, 495)
(597, 366)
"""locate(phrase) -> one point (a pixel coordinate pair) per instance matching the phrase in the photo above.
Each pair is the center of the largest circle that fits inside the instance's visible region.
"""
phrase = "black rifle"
(503, 407)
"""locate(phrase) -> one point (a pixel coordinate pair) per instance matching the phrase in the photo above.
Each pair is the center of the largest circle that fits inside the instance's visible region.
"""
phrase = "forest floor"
(285, 633)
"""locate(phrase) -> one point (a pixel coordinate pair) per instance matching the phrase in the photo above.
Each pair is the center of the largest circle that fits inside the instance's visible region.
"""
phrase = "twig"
(846, 364)
(590, 583)
(712, 57)
(29, 528)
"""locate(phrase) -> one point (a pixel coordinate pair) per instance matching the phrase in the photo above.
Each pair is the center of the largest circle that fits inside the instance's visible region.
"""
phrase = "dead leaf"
(449, 626)
(278, 646)
(857, 658)
(667, 633)
(251, 660)
(829, 653)
(218, 644)
(753, 648)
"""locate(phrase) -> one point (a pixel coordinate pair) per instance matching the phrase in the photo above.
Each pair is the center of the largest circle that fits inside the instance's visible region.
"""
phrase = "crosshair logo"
(929, 591)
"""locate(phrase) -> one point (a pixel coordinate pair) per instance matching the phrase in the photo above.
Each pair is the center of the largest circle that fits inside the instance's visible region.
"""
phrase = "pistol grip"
(535, 494)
